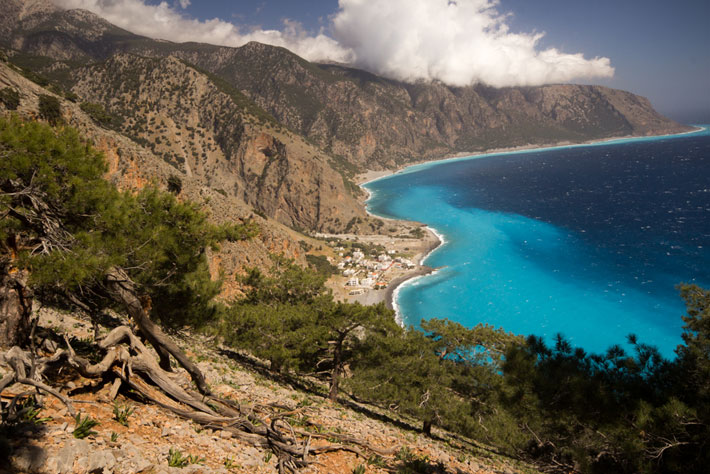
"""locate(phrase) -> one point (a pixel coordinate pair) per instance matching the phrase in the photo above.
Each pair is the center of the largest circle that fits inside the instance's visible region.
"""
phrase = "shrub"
(174, 184)
(121, 413)
(50, 109)
(83, 427)
(176, 459)
(98, 114)
(10, 98)
(321, 264)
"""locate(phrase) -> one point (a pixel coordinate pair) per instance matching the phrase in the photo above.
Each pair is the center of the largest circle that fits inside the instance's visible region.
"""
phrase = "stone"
(63, 461)
(134, 465)
(142, 464)
(29, 459)
(135, 439)
(100, 461)
(224, 434)
(251, 451)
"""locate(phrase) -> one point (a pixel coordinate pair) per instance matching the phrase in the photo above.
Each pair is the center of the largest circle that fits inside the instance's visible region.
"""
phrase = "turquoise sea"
(589, 240)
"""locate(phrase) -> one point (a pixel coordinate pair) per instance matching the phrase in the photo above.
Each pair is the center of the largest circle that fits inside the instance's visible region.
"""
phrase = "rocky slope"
(143, 444)
(132, 166)
(196, 122)
(374, 122)
(205, 129)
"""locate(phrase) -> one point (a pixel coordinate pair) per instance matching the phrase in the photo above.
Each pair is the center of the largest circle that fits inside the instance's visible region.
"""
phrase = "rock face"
(378, 123)
(204, 130)
(132, 166)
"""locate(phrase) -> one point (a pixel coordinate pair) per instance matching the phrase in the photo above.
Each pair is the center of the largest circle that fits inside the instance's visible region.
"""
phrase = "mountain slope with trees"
(140, 185)
(359, 119)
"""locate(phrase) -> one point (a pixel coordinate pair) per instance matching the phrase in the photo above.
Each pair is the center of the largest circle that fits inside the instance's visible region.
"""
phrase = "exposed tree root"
(128, 361)
(124, 290)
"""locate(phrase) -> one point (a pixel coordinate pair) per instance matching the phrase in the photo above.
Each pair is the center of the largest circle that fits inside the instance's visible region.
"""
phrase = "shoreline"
(397, 282)
(391, 293)
(420, 270)
(374, 175)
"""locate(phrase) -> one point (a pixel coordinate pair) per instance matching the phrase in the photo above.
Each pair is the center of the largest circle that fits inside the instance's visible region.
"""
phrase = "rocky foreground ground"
(151, 434)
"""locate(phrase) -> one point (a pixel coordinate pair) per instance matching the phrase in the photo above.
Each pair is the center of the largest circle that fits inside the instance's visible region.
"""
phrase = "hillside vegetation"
(72, 240)
(157, 204)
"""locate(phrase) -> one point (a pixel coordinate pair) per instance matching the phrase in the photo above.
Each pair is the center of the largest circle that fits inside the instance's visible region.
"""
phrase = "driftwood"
(129, 362)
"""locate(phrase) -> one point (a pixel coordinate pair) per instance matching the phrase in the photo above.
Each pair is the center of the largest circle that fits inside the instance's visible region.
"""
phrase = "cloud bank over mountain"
(165, 21)
(458, 42)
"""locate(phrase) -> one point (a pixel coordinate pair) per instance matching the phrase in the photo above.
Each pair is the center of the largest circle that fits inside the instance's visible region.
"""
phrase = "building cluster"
(370, 273)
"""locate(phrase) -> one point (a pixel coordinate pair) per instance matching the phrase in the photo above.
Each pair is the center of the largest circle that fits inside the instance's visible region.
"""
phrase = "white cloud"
(184, 3)
(163, 21)
(458, 42)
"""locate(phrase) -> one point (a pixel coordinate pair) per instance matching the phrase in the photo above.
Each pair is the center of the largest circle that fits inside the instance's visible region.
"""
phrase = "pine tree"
(70, 237)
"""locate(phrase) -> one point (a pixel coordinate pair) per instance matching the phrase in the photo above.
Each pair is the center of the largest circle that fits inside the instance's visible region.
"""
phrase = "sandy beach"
(389, 293)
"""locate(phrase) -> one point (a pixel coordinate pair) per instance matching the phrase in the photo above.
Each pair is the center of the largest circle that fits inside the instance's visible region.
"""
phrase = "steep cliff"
(375, 122)
(206, 129)
(133, 166)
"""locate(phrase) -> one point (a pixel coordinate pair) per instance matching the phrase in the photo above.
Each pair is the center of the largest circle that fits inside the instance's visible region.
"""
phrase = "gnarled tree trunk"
(15, 306)
(123, 288)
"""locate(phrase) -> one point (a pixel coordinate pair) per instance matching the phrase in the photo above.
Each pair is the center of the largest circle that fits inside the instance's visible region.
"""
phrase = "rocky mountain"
(132, 165)
(372, 122)
(266, 126)
(203, 128)
(199, 124)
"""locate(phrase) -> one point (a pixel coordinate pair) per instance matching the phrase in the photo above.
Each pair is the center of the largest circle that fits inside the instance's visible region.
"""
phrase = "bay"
(588, 241)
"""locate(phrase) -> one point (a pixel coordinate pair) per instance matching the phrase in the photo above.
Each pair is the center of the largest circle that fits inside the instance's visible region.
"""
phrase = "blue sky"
(658, 49)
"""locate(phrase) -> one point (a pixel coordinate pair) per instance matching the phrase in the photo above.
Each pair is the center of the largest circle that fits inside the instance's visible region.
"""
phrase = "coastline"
(375, 175)
(430, 245)
(397, 282)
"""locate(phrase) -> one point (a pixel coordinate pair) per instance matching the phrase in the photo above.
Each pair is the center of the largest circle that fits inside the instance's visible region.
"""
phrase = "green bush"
(10, 98)
(121, 413)
(174, 184)
(98, 114)
(50, 109)
(177, 459)
(321, 264)
(84, 427)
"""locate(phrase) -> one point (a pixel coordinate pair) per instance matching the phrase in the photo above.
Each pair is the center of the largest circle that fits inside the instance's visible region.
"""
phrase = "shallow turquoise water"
(588, 241)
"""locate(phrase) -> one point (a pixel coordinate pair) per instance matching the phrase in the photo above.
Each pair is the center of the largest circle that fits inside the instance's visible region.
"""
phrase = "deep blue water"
(587, 241)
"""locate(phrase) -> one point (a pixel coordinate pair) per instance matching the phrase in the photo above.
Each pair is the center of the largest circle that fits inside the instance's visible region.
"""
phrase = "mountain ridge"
(343, 121)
